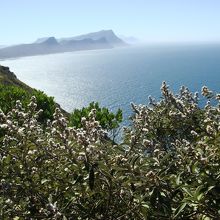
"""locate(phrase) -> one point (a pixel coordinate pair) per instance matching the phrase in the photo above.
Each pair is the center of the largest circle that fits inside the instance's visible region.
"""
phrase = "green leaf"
(44, 181)
(185, 189)
(145, 205)
(180, 209)
(178, 179)
(200, 196)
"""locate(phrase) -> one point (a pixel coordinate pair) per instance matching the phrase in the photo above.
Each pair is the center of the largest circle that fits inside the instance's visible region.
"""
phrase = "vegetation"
(168, 166)
(12, 89)
(10, 94)
(107, 120)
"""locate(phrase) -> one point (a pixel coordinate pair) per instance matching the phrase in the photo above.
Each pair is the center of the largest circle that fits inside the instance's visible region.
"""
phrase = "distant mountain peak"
(109, 31)
(50, 41)
(44, 39)
(109, 35)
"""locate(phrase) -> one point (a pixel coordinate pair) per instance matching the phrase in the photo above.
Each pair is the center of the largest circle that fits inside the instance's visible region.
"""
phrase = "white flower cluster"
(35, 147)
(54, 171)
(162, 123)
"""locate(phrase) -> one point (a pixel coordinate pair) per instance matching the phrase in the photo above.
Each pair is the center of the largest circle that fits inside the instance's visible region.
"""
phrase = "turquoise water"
(119, 76)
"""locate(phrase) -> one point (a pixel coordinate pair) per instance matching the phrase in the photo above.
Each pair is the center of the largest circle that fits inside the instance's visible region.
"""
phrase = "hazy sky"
(22, 21)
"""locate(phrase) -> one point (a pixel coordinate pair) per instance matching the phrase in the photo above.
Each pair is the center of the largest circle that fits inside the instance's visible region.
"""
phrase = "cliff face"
(9, 78)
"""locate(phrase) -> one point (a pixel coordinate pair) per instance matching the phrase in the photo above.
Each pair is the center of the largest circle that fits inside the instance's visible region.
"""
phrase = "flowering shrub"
(167, 167)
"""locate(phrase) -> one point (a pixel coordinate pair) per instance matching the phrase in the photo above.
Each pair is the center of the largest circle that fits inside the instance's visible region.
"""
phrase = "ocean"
(116, 77)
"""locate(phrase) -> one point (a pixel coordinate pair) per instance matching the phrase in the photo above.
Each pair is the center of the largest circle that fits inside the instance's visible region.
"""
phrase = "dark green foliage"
(45, 103)
(107, 120)
(10, 94)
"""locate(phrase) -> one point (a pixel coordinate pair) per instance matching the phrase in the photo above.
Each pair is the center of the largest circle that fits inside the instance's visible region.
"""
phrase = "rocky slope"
(9, 78)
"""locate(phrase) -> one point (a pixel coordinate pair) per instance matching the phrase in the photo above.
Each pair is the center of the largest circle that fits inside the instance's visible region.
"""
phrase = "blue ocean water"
(119, 76)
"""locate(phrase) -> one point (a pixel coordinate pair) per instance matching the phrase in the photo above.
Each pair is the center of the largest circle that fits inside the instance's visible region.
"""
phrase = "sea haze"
(119, 76)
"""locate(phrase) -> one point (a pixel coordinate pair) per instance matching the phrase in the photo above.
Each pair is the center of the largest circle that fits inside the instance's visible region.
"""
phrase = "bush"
(107, 120)
(167, 167)
(10, 94)
(179, 175)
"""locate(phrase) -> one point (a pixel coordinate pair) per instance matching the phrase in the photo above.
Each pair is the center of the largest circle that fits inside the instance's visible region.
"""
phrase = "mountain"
(109, 35)
(48, 46)
(105, 39)
(50, 41)
(41, 40)
(2, 46)
(85, 44)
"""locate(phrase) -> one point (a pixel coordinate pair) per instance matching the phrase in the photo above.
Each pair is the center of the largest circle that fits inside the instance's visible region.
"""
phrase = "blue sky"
(22, 21)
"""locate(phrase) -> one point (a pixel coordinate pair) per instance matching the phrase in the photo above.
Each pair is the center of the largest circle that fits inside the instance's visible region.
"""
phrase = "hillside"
(9, 78)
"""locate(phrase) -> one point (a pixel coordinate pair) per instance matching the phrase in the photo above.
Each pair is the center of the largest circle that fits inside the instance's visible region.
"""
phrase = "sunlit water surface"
(119, 76)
